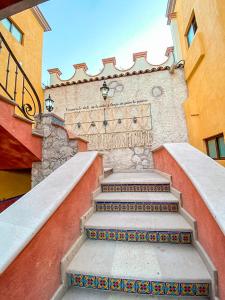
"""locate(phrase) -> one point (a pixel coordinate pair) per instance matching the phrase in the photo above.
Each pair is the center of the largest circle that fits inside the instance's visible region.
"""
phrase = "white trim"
(41, 19)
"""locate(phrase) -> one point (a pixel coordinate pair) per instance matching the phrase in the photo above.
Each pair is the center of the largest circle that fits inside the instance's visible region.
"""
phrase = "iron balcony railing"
(15, 84)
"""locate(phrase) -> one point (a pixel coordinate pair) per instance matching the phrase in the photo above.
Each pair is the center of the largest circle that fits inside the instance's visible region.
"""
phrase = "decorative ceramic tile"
(135, 188)
(112, 235)
(172, 288)
(137, 207)
(129, 286)
(102, 235)
(152, 237)
(115, 284)
(90, 281)
(143, 287)
(202, 289)
(121, 236)
(132, 207)
(175, 238)
(116, 207)
(140, 286)
(187, 289)
(77, 280)
(92, 234)
(102, 283)
(139, 236)
(124, 207)
(185, 238)
(131, 236)
(163, 237)
(158, 288)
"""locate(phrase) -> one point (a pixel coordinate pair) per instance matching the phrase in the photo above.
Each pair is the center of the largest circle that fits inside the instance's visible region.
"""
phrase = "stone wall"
(143, 110)
(57, 148)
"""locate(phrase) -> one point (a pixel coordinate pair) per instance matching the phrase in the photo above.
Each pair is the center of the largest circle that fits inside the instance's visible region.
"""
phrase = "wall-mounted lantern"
(93, 124)
(79, 125)
(134, 120)
(104, 90)
(49, 104)
(119, 121)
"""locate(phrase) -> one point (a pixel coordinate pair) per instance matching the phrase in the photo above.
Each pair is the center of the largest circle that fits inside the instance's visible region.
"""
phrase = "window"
(191, 30)
(18, 35)
(216, 147)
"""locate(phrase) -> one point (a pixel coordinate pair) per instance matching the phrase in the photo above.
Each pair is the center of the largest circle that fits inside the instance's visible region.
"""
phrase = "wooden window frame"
(10, 30)
(190, 24)
(215, 137)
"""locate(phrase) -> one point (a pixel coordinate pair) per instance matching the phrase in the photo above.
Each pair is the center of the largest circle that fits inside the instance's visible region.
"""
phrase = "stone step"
(89, 294)
(139, 227)
(139, 202)
(108, 171)
(135, 182)
(135, 178)
(155, 269)
(136, 197)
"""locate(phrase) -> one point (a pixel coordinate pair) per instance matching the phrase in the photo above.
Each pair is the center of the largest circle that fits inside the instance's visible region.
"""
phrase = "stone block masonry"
(57, 147)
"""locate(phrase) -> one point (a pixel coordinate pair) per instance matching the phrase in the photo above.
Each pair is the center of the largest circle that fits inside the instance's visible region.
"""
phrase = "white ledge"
(207, 176)
(21, 221)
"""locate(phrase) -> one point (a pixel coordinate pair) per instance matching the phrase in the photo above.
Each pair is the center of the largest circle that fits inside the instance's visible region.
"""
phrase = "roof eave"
(41, 19)
(170, 9)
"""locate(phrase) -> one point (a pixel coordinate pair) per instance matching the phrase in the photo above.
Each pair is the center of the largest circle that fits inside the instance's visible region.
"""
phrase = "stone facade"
(57, 148)
(143, 110)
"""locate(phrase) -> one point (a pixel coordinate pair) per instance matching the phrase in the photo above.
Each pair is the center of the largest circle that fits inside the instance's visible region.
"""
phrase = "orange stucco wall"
(35, 273)
(209, 233)
(204, 68)
(82, 145)
(20, 131)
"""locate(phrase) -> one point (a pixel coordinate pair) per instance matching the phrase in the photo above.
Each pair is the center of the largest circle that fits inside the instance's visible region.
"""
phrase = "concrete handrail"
(21, 221)
(207, 176)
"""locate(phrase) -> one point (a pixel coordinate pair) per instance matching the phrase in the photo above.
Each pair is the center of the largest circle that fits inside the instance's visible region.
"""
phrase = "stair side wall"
(210, 235)
(38, 265)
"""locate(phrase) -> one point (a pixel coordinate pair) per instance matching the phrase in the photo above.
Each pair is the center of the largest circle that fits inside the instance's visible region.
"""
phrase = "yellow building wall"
(29, 53)
(204, 68)
(13, 184)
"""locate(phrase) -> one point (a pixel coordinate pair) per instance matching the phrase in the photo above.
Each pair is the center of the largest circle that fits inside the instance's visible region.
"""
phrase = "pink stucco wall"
(209, 233)
(35, 273)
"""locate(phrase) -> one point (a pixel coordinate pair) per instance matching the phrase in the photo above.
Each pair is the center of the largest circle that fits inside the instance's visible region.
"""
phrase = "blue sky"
(89, 30)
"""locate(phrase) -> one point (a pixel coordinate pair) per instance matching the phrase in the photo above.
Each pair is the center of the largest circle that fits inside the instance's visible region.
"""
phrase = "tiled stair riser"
(136, 207)
(119, 188)
(139, 236)
(139, 286)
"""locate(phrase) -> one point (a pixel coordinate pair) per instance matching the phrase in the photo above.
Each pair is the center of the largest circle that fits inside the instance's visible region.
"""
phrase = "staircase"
(138, 245)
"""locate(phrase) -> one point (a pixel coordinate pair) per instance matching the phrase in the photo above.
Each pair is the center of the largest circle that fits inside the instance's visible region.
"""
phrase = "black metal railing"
(15, 84)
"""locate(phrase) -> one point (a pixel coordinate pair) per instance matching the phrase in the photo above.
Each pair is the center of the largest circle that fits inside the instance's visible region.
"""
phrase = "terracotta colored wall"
(205, 105)
(209, 233)
(82, 145)
(20, 130)
(35, 274)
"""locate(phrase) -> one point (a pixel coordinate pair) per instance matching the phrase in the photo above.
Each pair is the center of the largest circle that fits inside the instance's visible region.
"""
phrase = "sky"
(90, 30)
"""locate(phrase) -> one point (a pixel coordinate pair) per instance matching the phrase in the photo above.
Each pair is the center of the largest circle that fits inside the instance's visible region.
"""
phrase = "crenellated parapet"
(109, 70)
